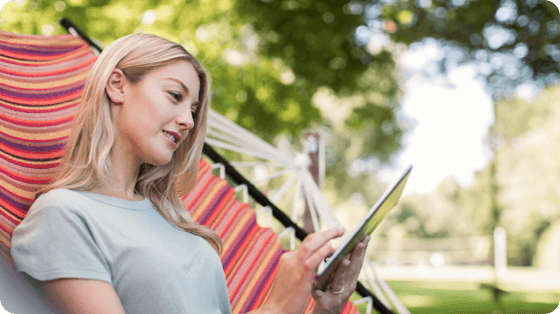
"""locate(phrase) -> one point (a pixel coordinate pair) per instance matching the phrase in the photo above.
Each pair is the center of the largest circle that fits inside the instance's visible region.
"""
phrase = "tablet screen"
(366, 227)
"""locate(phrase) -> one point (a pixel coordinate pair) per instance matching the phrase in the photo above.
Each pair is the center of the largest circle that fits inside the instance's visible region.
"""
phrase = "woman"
(110, 234)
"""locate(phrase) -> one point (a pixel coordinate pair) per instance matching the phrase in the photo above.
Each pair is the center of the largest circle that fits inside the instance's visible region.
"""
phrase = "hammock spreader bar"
(69, 25)
(239, 179)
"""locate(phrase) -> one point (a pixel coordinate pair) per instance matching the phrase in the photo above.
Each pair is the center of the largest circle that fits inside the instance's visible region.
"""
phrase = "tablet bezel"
(364, 228)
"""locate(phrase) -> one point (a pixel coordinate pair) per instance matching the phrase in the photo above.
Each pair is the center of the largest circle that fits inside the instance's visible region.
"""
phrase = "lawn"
(463, 298)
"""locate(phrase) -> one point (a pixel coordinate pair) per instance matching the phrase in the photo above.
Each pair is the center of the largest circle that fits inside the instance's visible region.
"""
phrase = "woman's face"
(157, 112)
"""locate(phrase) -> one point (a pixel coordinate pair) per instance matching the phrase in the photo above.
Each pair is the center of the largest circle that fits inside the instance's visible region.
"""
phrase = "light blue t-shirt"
(154, 266)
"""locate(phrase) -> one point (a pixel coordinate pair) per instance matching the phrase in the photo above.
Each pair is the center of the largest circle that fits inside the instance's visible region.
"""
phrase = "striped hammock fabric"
(41, 82)
(251, 253)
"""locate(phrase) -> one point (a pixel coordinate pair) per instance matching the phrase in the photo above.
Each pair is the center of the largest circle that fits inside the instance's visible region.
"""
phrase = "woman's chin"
(160, 160)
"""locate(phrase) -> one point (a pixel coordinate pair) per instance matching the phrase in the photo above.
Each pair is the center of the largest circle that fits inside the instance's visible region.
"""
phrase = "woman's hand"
(342, 284)
(296, 272)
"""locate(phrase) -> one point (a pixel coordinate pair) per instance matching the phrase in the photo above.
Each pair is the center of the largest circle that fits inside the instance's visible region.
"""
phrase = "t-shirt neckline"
(118, 202)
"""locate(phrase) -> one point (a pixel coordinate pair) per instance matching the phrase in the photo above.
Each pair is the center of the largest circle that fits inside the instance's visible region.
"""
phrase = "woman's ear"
(115, 86)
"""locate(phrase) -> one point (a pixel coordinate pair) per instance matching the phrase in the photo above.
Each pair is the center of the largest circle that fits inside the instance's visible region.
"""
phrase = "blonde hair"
(87, 159)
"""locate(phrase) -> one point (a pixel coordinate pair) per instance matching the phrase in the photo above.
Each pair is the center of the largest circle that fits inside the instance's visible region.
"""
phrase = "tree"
(512, 41)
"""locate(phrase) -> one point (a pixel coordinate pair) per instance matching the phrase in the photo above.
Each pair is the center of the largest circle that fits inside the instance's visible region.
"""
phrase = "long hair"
(86, 163)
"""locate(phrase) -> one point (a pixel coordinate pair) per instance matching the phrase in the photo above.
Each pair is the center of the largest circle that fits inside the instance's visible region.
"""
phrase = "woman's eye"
(175, 96)
(194, 114)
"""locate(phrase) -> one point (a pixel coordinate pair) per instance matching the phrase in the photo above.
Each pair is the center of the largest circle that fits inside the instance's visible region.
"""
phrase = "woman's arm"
(84, 296)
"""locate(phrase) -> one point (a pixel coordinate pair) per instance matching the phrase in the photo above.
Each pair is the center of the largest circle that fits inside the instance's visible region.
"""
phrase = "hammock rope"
(322, 215)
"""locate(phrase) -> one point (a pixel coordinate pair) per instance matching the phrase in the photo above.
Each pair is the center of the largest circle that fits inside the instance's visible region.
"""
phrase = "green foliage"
(314, 38)
(513, 41)
(267, 59)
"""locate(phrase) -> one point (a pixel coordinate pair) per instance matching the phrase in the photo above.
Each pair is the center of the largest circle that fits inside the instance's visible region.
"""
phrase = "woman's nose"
(186, 119)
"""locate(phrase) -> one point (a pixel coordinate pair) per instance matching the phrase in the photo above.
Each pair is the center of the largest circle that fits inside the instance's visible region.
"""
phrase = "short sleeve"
(54, 242)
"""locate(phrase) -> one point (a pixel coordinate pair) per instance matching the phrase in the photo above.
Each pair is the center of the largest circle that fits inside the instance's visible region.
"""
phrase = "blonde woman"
(110, 234)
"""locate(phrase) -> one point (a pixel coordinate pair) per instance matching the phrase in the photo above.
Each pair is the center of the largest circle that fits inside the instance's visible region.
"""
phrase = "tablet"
(366, 227)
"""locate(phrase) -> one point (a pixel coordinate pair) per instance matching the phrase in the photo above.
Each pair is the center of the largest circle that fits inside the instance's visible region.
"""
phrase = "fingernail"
(362, 245)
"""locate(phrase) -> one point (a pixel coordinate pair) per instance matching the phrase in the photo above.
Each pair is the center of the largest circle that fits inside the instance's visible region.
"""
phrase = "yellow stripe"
(35, 136)
(210, 196)
(238, 226)
(42, 41)
(15, 190)
(31, 110)
(45, 85)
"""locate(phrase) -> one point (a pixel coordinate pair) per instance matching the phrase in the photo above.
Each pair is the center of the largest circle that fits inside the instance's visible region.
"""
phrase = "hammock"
(41, 81)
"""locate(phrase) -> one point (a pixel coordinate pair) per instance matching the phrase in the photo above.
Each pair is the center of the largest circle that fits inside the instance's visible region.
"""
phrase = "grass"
(463, 298)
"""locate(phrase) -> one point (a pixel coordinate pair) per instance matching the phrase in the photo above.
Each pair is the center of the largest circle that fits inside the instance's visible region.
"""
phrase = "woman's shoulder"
(60, 198)
(53, 208)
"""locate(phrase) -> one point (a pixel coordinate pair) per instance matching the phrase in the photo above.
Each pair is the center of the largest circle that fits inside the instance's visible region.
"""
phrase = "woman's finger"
(319, 255)
(349, 270)
(339, 277)
(357, 259)
(360, 250)
(315, 241)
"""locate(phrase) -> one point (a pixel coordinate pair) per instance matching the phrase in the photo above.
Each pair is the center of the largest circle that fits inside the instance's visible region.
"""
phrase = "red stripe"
(35, 110)
(197, 197)
(43, 101)
(250, 269)
(32, 155)
(266, 286)
(24, 178)
(9, 217)
(230, 222)
(6, 229)
(36, 57)
(240, 249)
(40, 123)
(51, 73)
(42, 165)
(217, 210)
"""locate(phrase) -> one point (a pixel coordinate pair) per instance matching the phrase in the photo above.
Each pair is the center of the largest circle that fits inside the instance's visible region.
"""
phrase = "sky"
(450, 119)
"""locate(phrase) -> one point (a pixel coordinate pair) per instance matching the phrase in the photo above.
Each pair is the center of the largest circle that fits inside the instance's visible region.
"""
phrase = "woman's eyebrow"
(183, 86)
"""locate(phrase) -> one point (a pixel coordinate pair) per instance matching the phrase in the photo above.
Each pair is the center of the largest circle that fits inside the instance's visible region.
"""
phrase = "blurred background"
(465, 90)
